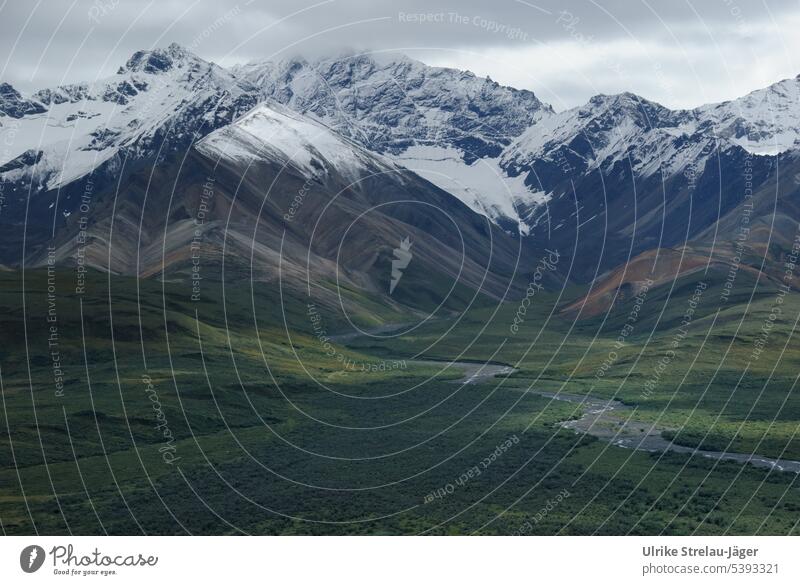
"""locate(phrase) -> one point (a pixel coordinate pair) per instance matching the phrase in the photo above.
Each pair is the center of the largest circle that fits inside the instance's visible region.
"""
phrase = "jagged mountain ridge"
(455, 123)
(621, 169)
(508, 155)
(447, 125)
(655, 139)
(391, 102)
(625, 175)
(154, 105)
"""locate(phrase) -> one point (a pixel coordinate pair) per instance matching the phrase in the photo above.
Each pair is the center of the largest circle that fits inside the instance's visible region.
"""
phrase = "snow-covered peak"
(652, 138)
(599, 133)
(13, 105)
(642, 112)
(157, 101)
(765, 121)
(363, 65)
(389, 103)
(160, 60)
(278, 134)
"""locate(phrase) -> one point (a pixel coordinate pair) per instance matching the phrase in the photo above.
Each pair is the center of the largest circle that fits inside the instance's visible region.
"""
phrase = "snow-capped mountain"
(620, 169)
(391, 102)
(13, 105)
(652, 138)
(505, 153)
(277, 196)
(272, 131)
(630, 173)
(607, 130)
(633, 143)
(447, 125)
(765, 121)
(153, 105)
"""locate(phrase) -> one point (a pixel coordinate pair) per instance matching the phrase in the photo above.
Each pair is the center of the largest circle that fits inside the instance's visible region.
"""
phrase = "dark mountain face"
(626, 175)
(350, 209)
(754, 235)
(610, 213)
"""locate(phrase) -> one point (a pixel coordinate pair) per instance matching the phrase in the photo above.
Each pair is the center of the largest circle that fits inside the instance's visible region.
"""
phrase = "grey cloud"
(50, 41)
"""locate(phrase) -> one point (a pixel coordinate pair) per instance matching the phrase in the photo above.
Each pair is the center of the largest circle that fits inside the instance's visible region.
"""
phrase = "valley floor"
(132, 409)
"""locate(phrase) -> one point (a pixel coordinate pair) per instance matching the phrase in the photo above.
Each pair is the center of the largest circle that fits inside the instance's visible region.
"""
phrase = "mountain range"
(321, 167)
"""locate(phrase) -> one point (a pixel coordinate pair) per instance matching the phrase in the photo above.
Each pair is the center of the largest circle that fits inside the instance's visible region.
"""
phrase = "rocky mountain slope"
(281, 199)
(532, 170)
(447, 125)
(602, 182)
(624, 174)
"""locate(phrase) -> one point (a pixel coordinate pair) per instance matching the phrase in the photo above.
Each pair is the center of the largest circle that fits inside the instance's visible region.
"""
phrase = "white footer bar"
(400, 560)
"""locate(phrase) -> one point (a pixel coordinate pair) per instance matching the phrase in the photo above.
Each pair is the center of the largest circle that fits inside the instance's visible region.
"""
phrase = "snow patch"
(483, 185)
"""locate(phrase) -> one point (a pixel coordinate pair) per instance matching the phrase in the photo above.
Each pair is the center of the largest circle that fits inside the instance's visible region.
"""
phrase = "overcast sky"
(679, 53)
